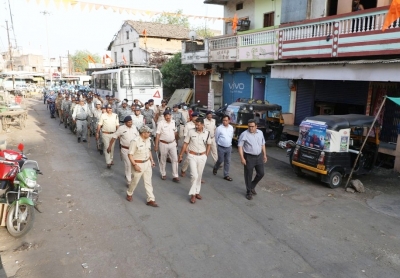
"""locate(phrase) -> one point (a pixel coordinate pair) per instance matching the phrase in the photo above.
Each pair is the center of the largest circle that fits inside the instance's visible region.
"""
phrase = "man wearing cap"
(142, 162)
(137, 117)
(190, 125)
(123, 111)
(185, 114)
(148, 115)
(197, 143)
(59, 100)
(209, 124)
(96, 115)
(126, 133)
(108, 124)
(180, 121)
(65, 105)
(113, 102)
(160, 111)
(80, 116)
(166, 139)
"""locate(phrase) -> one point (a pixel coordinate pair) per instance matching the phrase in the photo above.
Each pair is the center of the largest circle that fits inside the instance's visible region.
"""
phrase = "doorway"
(259, 88)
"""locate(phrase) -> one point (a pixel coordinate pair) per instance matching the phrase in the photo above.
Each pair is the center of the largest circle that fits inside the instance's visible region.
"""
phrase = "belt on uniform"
(81, 119)
(197, 153)
(165, 142)
(141, 161)
(124, 147)
(105, 132)
(252, 154)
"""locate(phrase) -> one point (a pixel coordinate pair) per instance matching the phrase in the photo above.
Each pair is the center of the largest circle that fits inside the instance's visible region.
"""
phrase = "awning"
(383, 70)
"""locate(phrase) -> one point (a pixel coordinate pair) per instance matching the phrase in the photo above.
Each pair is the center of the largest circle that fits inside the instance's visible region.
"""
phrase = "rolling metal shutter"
(304, 100)
(349, 92)
(278, 92)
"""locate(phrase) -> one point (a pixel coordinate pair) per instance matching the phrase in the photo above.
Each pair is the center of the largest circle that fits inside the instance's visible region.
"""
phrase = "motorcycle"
(19, 193)
(11, 155)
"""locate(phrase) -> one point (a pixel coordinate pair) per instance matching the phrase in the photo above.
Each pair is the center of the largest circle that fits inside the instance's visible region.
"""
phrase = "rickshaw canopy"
(338, 122)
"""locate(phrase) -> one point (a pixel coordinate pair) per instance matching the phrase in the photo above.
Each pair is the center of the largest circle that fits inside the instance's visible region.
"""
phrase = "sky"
(74, 29)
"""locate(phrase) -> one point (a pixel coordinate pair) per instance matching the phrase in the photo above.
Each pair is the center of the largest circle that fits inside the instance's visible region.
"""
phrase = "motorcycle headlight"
(30, 183)
(8, 156)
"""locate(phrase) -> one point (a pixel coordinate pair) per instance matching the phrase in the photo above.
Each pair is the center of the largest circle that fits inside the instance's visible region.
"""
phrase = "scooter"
(18, 195)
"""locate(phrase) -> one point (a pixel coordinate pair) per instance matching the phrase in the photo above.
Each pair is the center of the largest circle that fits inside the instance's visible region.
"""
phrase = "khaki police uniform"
(197, 146)
(141, 150)
(65, 105)
(186, 116)
(59, 100)
(109, 124)
(167, 146)
(126, 135)
(160, 113)
(211, 126)
(190, 125)
(80, 115)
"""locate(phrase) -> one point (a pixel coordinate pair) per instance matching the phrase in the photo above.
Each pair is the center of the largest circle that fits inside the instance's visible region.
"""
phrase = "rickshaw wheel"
(335, 179)
(298, 171)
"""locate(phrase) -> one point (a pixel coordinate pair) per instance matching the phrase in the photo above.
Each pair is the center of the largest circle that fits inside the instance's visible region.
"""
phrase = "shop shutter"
(236, 85)
(349, 92)
(202, 88)
(278, 92)
(304, 100)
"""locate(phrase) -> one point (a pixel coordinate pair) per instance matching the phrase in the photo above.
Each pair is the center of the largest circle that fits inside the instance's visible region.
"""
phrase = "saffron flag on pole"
(234, 23)
(123, 58)
(90, 58)
(108, 57)
(145, 36)
(392, 15)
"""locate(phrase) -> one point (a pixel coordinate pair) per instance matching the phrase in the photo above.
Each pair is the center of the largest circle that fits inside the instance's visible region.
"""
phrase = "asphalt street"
(294, 227)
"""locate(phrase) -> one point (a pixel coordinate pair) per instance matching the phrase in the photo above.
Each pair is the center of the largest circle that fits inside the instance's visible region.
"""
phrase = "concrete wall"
(293, 11)
(266, 6)
(247, 11)
(318, 9)
(344, 6)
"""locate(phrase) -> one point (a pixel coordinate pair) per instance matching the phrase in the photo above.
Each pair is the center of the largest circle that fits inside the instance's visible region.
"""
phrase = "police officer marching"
(126, 133)
(148, 115)
(198, 144)
(79, 116)
(209, 124)
(166, 136)
(137, 117)
(179, 119)
(190, 125)
(108, 124)
(65, 106)
(123, 111)
(142, 162)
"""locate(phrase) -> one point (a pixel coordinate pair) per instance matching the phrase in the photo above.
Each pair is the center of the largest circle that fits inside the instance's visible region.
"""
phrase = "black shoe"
(84, 140)
(79, 139)
(249, 196)
(253, 191)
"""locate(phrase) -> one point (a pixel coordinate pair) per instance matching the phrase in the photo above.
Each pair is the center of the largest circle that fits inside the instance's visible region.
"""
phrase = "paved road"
(292, 228)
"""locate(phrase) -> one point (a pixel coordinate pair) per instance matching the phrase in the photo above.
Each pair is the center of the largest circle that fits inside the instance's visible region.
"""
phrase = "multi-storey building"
(310, 56)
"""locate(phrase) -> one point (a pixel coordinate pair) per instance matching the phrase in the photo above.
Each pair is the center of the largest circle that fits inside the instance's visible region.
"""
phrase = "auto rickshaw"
(328, 145)
(268, 117)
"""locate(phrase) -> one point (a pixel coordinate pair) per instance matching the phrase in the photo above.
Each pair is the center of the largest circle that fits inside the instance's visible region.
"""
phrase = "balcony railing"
(222, 43)
(264, 37)
(349, 24)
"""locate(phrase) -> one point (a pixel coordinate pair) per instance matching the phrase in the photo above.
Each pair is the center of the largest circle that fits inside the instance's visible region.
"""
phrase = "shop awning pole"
(365, 141)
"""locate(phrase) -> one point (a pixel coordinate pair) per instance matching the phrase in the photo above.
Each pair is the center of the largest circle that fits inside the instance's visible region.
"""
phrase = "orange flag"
(90, 58)
(123, 58)
(145, 36)
(392, 15)
(234, 23)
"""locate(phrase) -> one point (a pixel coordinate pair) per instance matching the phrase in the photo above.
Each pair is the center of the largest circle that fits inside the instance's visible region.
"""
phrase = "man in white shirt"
(223, 139)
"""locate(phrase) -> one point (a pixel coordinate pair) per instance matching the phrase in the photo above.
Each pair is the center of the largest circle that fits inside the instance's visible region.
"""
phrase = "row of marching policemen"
(138, 126)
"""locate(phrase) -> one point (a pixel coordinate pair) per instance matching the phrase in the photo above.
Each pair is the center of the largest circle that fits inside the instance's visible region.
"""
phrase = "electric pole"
(9, 47)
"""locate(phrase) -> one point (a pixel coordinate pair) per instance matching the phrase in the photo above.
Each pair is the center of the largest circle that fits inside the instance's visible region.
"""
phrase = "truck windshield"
(140, 77)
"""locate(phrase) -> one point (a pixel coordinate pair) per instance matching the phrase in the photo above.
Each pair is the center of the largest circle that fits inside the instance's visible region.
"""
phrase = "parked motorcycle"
(18, 195)
(11, 155)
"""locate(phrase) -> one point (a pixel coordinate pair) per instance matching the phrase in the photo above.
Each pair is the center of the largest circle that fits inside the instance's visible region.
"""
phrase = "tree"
(176, 18)
(80, 60)
(203, 31)
(176, 75)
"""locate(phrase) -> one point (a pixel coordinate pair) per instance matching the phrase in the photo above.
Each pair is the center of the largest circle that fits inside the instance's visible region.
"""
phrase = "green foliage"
(176, 18)
(203, 32)
(80, 59)
(176, 75)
